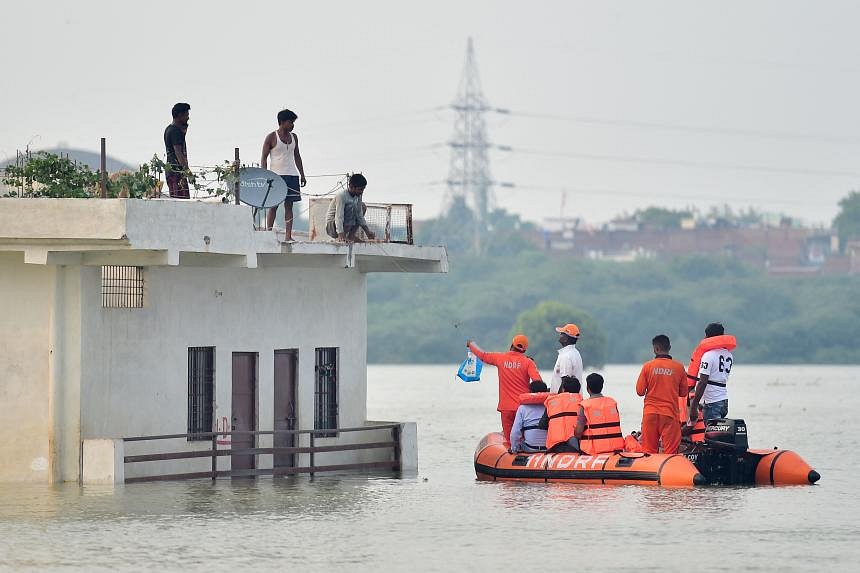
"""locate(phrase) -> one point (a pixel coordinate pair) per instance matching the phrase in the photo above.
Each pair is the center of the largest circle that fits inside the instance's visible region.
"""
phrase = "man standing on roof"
(569, 362)
(662, 381)
(516, 370)
(282, 148)
(715, 365)
(177, 152)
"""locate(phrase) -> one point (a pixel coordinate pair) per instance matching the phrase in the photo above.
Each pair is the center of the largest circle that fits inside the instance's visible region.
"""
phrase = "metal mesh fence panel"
(390, 223)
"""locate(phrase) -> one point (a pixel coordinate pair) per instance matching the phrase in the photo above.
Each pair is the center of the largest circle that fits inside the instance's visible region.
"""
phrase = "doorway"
(244, 408)
(286, 408)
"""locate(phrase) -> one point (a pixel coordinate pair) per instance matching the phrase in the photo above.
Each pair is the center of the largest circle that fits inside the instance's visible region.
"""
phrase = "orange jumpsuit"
(516, 370)
(662, 381)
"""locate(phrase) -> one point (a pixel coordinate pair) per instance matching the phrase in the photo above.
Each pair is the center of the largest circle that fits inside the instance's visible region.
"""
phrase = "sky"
(613, 105)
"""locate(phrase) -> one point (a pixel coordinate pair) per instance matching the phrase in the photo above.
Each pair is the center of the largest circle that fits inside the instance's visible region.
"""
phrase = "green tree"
(504, 233)
(847, 222)
(539, 322)
(661, 218)
(454, 229)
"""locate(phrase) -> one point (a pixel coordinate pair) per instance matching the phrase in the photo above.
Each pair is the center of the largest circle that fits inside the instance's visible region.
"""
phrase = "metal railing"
(390, 222)
(311, 449)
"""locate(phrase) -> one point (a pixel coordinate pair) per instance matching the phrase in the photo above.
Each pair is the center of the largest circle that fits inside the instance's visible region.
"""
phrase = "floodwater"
(444, 520)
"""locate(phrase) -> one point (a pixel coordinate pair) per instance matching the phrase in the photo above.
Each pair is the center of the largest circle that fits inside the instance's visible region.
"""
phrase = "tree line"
(427, 318)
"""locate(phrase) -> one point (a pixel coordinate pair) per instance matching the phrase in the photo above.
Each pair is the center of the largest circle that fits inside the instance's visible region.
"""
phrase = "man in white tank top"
(283, 148)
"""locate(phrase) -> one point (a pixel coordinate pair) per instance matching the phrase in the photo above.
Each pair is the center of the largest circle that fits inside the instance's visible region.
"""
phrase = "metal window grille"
(325, 391)
(201, 390)
(122, 287)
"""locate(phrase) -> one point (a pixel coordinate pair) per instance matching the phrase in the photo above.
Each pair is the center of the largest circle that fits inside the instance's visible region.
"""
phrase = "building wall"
(134, 361)
(26, 293)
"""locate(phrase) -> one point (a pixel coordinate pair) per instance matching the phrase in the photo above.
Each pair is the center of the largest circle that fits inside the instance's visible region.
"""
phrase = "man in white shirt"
(714, 370)
(569, 362)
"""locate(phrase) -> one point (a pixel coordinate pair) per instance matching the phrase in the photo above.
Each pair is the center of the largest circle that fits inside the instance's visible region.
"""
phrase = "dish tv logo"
(258, 183)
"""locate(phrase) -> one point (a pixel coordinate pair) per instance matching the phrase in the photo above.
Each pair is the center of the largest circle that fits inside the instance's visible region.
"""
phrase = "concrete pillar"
(408, 447)
(65, 375)
(103, 462)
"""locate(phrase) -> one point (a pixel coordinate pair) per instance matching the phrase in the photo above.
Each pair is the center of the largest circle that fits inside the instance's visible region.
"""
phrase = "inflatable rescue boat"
(722, 459)
(493, 462)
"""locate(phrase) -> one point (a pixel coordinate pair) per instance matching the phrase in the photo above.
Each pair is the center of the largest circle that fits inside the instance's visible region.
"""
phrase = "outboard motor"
(723, 457)
(727, 433)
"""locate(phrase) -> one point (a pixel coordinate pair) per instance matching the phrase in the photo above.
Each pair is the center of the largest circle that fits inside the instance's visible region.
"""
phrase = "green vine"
(46, 174)
(145, 182)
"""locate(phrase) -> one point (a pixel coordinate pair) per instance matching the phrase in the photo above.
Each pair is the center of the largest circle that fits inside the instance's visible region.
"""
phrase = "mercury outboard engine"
(723, 457)
(728, 434)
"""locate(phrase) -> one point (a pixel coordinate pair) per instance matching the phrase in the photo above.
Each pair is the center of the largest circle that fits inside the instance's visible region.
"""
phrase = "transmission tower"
(469, 172)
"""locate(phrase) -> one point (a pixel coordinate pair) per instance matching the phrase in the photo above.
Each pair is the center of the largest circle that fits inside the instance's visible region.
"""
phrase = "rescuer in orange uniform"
(516, 370)
(562, 410)
(662, 381)
(598, 424)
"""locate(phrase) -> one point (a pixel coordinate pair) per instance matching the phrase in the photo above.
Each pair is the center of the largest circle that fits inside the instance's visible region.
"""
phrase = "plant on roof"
(145, 182)
(46, 174)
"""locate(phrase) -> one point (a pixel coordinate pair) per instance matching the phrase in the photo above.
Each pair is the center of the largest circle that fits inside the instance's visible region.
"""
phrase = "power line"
(403, 115)
(731, 131)
(652, 195)
(663, 195)
(682, 162)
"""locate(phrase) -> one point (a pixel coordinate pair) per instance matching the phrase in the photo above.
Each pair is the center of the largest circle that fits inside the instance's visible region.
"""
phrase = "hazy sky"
(666, 103)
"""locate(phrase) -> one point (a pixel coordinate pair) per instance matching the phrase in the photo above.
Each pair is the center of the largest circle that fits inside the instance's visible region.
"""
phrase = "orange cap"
(569, 329)
(520, 342)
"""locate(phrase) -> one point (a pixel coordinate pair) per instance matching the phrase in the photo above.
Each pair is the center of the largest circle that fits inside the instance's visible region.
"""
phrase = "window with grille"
(201, 391)
(325, 391)
(122, 287)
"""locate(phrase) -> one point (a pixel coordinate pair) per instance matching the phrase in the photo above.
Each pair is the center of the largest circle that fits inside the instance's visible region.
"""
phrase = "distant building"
(781, 248)
(124, 318)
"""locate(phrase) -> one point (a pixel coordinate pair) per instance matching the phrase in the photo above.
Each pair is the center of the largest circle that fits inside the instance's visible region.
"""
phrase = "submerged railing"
(214, 452)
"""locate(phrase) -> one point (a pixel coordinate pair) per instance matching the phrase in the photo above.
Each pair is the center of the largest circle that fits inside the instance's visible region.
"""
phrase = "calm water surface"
(444, 520)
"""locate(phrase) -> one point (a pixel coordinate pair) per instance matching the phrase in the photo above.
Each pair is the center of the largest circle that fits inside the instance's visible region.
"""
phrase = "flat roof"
(153, 232)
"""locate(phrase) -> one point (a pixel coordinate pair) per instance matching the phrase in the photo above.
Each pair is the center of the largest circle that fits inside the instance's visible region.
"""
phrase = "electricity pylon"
(469, 171)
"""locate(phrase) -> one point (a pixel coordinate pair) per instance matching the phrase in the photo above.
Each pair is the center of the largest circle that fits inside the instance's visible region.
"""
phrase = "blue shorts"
(294, 193)
(715, 410)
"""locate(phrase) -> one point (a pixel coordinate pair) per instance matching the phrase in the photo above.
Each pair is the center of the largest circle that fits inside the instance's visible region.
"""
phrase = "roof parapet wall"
(170, 232)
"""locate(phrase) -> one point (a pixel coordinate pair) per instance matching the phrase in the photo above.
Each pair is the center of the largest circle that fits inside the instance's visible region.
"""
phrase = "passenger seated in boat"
(559, 419)
(598, 424)
(526, 433)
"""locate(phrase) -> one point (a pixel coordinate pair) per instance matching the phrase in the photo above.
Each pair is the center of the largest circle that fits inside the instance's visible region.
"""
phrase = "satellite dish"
(261, 188)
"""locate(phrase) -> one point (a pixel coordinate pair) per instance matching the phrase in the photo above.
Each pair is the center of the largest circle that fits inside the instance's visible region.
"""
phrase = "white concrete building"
(124, 317)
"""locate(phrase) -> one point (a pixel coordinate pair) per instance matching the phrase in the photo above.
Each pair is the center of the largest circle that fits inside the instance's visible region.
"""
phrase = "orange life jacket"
(726, 341)
(631, 444)
(603, 429)
(561, 409)
(533, 397)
